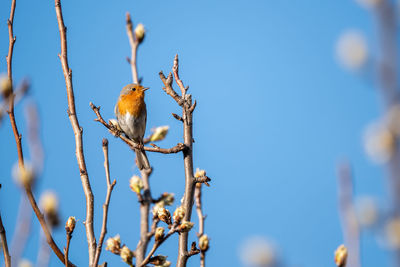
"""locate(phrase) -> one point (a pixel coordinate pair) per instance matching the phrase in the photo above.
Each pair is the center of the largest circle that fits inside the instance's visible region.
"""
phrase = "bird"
(131, 114)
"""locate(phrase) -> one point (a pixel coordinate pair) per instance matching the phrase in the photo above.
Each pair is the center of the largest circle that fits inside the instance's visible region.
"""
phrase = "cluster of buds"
(5, 86)
(185, 226)
(136, 184)
(164, 215)
(113, 245)
(159, 133)
(204, 243)
(179, 213)
(159, 234)
(49, 205)
(341, 256)
(126, 255)
(160, 261)
(140, 32)
(70, 225)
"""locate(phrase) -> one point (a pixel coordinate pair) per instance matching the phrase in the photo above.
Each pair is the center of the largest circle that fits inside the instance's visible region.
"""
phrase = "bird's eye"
(133, 89)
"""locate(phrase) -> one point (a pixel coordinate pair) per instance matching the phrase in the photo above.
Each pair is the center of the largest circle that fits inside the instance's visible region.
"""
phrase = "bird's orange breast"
(132, 104)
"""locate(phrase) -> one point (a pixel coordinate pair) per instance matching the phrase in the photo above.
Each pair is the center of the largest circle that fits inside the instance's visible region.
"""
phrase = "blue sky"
(275, 114)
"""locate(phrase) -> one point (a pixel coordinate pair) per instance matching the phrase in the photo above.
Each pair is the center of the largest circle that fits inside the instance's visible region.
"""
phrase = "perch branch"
(178, 148)
(91, 239)
(110, 187)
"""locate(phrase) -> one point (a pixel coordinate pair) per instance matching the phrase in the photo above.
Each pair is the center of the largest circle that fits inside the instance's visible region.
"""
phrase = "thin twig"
(91, 239)
(350, 226)
(134, 46)
(144, 217)
(7, 258)
(110, 187)
(178, 148)
(197, 195)
(12, 39)
(69, 235)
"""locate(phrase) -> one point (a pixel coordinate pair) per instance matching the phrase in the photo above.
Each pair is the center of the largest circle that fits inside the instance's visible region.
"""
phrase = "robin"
(131, 114)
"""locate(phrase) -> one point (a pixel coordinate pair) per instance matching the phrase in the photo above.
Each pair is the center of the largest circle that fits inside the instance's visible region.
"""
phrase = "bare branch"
(7, 258)
(66, 251)
(144, 217)
(110, 187)
(18, 138)
(11, 39)
(91, 239)
(186, 103)
(134, 46)
(202, 218)
(168, 88)
(178, 148)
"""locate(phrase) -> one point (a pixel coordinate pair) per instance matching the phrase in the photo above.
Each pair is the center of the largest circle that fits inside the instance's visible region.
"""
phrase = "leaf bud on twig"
(204, 243)
(114, 244)
(140, 32)
(126, 255)
(5, 86)
(49, 204)
(185, 226)
(158, 260)
(341, 256)
(164, 215)
(159, 234)
(179, 213)
(136, 184)
(159, 133)
(23, 175)
(70, 225)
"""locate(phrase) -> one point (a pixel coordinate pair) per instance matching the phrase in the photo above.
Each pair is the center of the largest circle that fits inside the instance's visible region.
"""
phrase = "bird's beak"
(145, 88)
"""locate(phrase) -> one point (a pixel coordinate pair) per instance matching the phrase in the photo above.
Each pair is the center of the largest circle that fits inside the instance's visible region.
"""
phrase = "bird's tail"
(141, 159)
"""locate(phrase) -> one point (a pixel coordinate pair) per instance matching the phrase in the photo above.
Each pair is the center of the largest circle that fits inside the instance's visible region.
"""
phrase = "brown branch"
(11, 39)
(134, 46)
(186, 103)
(178, 148)
(144, 217)
(18, 138)
(69, 236)
(168, 88)
(350, 226)
(110, 187)
(91, 239)
(197, 195)
(7, 258)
